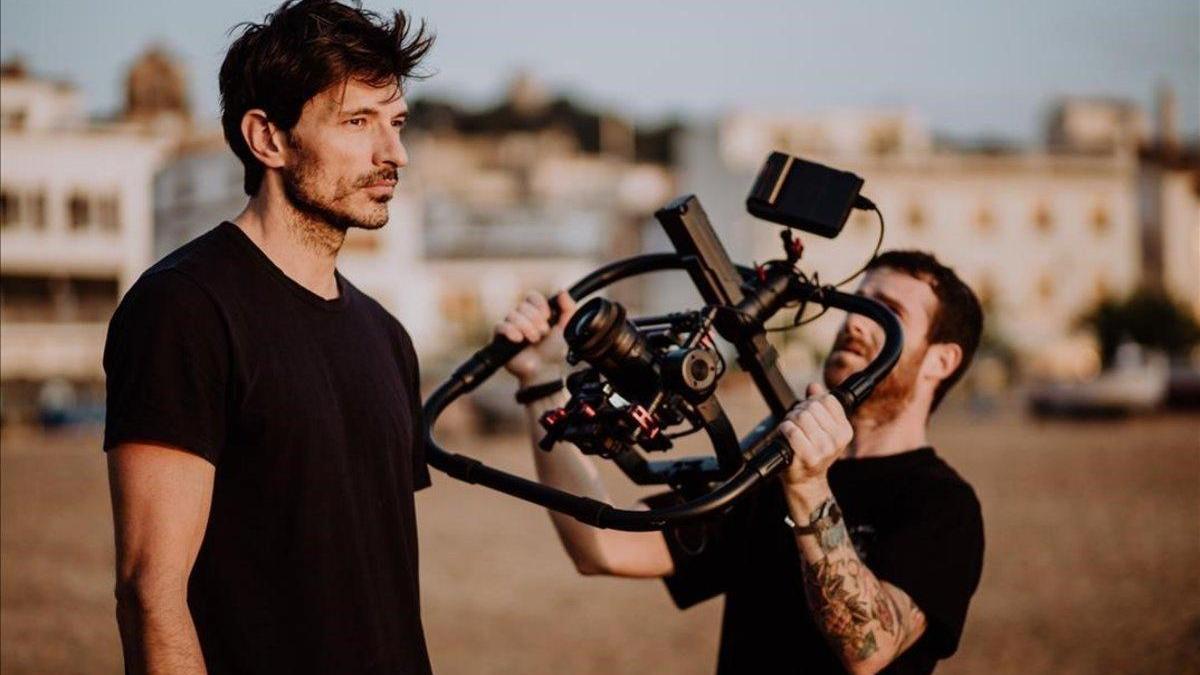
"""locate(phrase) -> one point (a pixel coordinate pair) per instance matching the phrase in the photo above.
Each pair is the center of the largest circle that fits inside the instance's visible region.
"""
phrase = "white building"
(1041, 236)
(76, 230)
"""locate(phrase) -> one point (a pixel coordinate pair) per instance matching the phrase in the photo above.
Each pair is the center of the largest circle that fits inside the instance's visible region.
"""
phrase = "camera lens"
(599, 334)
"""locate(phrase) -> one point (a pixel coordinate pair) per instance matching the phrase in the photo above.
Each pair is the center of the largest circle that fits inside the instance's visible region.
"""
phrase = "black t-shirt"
(914, 523)
(310, 411)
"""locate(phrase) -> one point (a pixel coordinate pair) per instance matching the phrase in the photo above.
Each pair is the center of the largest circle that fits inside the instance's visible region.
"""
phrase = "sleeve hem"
(181, 442)
(697, 577)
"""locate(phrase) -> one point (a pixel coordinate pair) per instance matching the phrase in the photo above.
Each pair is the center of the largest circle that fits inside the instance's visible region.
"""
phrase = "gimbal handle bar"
(772, 453)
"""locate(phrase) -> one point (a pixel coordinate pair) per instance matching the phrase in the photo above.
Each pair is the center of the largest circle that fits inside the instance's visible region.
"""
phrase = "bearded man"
(865, 556)
(263, 425)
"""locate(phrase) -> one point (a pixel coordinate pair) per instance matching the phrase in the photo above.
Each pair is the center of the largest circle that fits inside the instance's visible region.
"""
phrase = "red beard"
(892, 395)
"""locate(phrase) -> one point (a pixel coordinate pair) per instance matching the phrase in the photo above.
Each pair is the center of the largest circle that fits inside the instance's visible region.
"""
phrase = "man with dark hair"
(880, 551)
(263, 425)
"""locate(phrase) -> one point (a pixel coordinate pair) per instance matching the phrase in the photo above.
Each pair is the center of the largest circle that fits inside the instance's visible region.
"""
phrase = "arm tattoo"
(844, 614)
(849, 604)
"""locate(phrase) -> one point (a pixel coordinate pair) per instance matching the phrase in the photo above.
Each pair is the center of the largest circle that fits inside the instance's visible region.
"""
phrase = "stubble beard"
(890, 397)
(320, 221)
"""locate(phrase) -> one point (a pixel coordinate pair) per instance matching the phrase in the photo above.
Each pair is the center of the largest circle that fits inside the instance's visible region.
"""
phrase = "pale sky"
(969, 68)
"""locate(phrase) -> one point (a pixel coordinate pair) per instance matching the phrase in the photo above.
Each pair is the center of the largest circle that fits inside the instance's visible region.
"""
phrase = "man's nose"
(389, 149)
(858, 326)
(862, 329)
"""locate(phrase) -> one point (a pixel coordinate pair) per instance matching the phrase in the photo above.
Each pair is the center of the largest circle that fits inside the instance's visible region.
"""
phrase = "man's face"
(344, 154)
(860, 340)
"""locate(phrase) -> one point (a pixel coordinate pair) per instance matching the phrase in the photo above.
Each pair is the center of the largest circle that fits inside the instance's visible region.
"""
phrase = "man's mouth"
(853, 347)
(380, 180)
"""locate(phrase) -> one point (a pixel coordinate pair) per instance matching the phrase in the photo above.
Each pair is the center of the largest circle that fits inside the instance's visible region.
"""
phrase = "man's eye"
(398, 125)
(356, 121)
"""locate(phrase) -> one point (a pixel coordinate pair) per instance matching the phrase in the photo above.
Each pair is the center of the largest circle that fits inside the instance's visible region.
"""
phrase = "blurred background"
(1049, 153)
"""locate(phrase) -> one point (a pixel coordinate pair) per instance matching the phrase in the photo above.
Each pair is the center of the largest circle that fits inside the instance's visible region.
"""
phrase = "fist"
(529, 322)
(818, 432)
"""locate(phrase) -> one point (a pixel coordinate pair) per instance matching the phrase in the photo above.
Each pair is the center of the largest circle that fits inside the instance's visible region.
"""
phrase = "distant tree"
(1147, 317)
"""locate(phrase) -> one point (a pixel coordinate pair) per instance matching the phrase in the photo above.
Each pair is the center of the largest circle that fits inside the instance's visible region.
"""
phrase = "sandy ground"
(1093, 561)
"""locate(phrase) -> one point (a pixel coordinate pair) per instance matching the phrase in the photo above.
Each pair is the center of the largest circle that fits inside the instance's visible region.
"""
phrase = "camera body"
(642, 379)
(804, 195)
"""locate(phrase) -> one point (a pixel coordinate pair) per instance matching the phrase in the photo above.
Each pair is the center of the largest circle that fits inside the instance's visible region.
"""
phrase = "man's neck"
(907, 431)
(305, 250)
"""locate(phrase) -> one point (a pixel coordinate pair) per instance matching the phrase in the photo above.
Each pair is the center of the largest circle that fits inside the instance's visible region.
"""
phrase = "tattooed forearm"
(910, 620)
(845, 613)
(859, 615)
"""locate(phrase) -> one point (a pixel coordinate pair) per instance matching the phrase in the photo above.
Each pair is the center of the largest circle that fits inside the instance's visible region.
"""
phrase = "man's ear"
(264, 139)
(941, 360)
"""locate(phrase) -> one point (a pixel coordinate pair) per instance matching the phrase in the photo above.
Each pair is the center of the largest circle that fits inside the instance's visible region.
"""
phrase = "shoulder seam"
(191, 279)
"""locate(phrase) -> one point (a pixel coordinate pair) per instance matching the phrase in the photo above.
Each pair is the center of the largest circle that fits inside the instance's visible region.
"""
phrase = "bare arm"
(161, 497)
(868, 622)
(593, 550)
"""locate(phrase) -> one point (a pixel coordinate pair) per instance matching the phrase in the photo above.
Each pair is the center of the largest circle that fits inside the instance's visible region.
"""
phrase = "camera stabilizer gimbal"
(648, 375)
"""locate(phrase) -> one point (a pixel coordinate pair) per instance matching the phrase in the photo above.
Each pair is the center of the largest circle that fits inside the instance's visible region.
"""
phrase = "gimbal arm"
(766, 456)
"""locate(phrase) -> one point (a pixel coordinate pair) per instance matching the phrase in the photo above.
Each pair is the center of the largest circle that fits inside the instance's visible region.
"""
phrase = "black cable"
(810, 319)
(685, 432)
(866, 205)
(796, 322)
(803, 304)
(861, 203)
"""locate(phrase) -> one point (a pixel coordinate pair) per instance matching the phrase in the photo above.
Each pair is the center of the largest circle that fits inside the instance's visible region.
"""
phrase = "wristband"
(830, 516)
(537, 392)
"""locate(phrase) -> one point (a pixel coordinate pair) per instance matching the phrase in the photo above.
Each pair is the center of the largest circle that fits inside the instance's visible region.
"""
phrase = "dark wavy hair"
(958, 318)
(303, 48)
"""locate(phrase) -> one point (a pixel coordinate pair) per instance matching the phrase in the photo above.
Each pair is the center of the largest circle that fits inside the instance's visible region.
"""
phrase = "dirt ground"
(1093, 561)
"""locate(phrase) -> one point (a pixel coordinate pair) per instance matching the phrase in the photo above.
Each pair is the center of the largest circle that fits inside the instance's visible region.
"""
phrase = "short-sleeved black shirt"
(913, 521)
(310, 411)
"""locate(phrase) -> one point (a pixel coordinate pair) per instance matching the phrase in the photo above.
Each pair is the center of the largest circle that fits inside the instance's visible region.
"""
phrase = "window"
(1101, 288)
(1043, 220)
(78, 211)
(86, 211)
(37, 209)
(108, 213)
(1045, 288)
(47, 298)
(985, 290)
(93, 299)
(985, 221)
(885, 141)
(13, 118)
(22, 208)
(1100, 220)
(8, 208)
(916, 216)
(25, 297)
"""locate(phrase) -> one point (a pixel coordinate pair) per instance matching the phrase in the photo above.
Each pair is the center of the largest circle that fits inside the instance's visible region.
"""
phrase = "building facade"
(76, 230)
(1041, 234)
